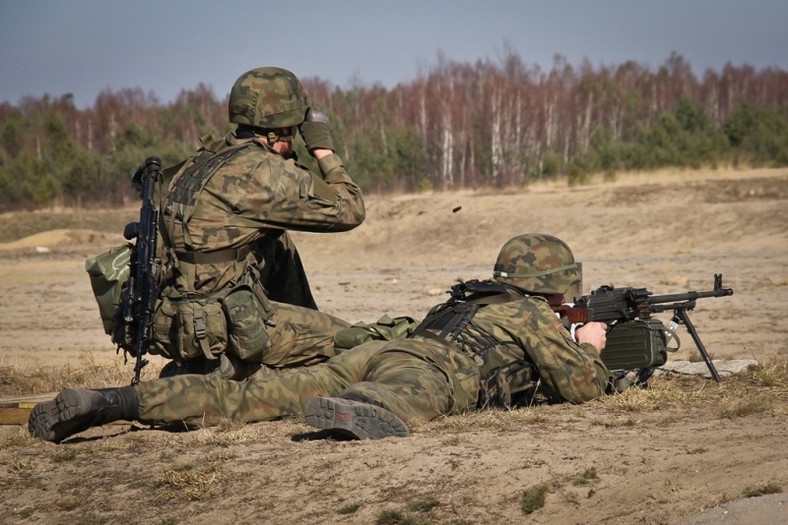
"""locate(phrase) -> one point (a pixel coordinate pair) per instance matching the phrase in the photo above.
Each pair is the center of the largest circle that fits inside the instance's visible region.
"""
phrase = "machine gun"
(635, 340)
(139, 295)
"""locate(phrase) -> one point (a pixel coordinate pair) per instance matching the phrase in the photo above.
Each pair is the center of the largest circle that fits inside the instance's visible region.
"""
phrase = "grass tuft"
(534, 498)
(24, 380)
(585, 477)
(64, 456)
(350, 508)
(762, 490)
(193, 484)
(425, 504)
(394, 517)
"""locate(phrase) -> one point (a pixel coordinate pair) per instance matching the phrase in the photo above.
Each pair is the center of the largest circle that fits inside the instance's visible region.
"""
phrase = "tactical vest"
(185, 191)
(187, 325)
(453, 322)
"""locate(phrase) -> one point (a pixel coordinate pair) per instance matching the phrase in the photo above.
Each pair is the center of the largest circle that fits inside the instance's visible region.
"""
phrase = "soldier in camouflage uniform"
(224, 222)
(494, 343)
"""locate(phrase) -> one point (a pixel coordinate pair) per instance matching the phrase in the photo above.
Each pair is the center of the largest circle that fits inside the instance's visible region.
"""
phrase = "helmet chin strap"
(273, 137)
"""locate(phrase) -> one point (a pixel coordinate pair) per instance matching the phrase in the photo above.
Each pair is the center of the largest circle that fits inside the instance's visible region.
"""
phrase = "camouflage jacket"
(236, 192)
(512, 339)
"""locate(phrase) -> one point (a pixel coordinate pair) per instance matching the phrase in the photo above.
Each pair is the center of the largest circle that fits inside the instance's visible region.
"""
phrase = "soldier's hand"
(594, 333)
(314, 130)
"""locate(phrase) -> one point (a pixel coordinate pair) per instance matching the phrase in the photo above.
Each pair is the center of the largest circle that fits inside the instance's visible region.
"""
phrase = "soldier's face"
(288, 141)
(284, 146)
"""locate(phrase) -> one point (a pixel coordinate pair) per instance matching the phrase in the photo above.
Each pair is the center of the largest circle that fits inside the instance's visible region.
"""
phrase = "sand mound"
(44, 241)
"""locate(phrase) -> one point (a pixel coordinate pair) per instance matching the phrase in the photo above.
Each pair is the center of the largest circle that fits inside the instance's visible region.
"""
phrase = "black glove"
(314, 130)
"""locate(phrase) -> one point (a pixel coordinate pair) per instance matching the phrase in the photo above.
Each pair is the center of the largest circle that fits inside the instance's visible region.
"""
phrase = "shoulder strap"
(484, 292)
(447, 320)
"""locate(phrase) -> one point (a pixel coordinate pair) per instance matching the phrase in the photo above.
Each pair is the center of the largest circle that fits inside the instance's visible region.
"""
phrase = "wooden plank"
(16, 410)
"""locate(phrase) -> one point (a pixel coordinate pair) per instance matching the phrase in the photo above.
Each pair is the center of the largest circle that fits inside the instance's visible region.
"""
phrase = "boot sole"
(67, 414)
(353, 418)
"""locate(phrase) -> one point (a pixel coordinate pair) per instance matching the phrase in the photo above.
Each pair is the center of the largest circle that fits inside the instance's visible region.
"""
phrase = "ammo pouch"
(508, 386)
(108, 272)
(247, 309)
(189, 327)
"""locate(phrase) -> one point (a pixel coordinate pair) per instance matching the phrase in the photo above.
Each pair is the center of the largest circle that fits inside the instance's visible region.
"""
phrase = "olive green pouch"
(247, 311)
(108, 272)
(201, 328)
(386, 328)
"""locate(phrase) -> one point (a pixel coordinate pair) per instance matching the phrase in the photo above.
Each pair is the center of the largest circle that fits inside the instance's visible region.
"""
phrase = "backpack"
(108, 272)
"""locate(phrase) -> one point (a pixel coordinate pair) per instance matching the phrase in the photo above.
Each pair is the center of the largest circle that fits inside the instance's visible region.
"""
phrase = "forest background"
(457, 126)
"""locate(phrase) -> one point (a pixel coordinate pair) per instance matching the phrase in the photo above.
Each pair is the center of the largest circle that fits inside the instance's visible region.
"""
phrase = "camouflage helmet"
(536, 262)
(268, 97)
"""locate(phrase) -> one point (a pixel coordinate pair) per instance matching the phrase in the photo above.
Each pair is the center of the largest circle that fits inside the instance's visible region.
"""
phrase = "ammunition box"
(635, 344)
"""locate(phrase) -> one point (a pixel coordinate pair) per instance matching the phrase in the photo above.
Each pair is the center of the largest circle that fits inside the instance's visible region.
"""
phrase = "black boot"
(73, 411)
(353, 418)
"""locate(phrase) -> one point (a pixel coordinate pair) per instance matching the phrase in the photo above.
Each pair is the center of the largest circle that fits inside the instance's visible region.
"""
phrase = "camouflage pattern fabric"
(268, 97)
(300, 336)
(416, 378)
(249, 199)
(238, 196)
(536, 262)
(385, 328)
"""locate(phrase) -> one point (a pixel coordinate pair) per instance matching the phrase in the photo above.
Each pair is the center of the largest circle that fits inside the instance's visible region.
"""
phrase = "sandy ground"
(668, 232)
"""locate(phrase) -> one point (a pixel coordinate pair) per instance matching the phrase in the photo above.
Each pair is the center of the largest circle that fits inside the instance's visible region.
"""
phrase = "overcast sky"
(164, 46)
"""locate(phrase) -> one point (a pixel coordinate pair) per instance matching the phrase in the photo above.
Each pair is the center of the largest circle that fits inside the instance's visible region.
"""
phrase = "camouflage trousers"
(416, 379)
(300, 336)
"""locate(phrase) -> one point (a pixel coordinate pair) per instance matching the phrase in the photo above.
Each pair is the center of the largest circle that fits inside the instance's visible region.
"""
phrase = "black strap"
(216, 257)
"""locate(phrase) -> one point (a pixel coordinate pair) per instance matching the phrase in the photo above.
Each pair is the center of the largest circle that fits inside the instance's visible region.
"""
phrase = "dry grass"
(762, 381)
(23, 380)
(762, 490)
(198, 467)
(192, 482)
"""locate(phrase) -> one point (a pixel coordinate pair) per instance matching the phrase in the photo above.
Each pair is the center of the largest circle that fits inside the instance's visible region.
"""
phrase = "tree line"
(488, 124)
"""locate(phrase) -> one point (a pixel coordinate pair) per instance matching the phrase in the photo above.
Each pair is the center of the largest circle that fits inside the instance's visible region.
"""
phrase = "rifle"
(617, 307)
(141, 290)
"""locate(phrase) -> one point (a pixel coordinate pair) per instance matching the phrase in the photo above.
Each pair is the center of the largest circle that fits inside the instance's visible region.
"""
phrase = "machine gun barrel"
(718, 291)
